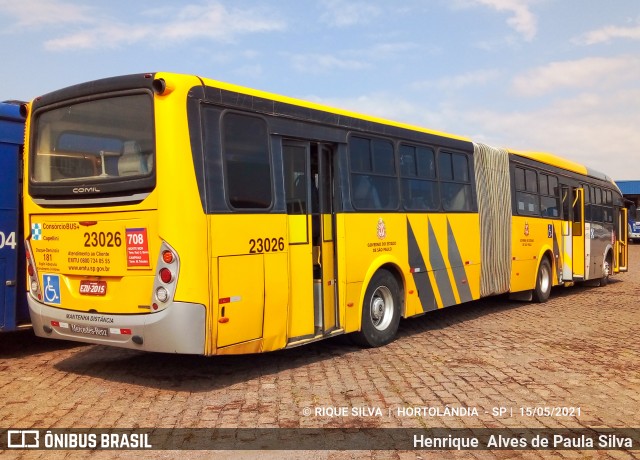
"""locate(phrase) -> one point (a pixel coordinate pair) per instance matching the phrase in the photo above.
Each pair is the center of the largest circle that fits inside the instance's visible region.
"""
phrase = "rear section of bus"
(14, 313)
(103, 239)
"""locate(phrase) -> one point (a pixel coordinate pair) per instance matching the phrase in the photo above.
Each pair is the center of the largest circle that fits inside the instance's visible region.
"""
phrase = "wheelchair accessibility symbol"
(52, 289)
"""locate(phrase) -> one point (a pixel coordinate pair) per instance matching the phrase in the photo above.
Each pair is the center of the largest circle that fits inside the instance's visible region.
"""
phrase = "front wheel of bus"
(543, 282)
(380, 311)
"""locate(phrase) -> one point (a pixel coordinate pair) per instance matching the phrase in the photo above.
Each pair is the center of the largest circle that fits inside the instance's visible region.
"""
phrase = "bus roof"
(325, 108)
(563, 163)
(542, 157)
(11, 123)
(10, 110)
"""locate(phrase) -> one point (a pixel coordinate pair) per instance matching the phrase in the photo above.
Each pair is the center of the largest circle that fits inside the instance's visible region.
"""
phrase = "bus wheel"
(543, 282)
(606, 272)
(380, 311)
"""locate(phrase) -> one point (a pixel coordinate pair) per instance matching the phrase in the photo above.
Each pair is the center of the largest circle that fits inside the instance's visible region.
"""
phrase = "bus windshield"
(91, 142)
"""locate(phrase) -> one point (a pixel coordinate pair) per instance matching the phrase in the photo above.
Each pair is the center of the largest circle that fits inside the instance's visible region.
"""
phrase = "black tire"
(543, 282)
(380, 311)
(606, 272)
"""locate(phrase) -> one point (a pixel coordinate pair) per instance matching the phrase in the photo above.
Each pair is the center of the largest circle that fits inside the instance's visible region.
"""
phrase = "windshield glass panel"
(102, 140)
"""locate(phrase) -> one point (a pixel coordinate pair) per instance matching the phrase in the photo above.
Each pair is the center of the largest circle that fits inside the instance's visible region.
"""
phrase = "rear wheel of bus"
(380, 311)
(543, 282)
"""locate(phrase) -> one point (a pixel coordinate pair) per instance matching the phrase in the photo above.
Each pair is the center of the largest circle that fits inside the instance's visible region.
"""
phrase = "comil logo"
(23, 439)
(36, 232)
(85, 190)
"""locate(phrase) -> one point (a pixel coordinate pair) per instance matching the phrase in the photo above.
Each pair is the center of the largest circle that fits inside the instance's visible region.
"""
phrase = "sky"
(560, 76)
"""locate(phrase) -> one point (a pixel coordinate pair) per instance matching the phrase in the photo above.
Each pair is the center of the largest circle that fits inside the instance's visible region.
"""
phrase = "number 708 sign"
(137, 247)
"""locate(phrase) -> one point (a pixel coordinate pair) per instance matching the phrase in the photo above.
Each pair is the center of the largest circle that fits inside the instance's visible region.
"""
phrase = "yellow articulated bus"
(174, 213)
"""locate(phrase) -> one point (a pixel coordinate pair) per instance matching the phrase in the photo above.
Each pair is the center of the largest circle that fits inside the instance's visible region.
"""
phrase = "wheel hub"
(381, 308)
(377, 309)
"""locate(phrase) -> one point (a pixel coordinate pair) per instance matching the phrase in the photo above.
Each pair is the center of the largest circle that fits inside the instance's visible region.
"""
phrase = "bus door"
(326, 221)
(578, 234)
(309, 194)
(622, 250)
(567, 238)
(573, 241)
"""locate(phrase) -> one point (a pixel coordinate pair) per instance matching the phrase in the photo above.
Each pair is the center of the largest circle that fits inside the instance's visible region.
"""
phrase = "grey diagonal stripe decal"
(457, 266)
(440, 271)
(421, 278)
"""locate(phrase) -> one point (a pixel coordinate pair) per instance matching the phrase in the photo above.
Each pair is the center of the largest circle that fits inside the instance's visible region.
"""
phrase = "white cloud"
(595, 130)
(383, 50)
(354, 59)
(608, 33)
(249, 70)
(100, 36)
(591, 119)
(210, 20)
(315, 63)
(521, 19)
(458, 82)
(351, 59)
(345, 13)
(578, 74)
(45, 12)
(213, 20)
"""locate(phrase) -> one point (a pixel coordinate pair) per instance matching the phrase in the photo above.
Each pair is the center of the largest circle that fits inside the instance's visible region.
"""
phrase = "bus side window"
(374, 183)
(455, 183)
(365, 195)
(245, 145)
(295, 175)
(549, 196)
(418, 178)
(527, 200)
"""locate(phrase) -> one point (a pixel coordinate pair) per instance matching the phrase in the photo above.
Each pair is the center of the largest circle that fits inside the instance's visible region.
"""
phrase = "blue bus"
(14, 312)
(634, 224)
(631, 191)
